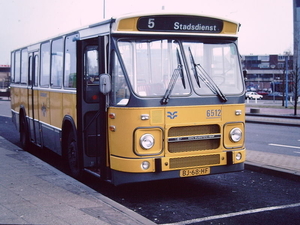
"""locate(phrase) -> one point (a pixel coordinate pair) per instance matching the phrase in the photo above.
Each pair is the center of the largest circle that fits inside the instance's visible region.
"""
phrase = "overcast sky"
(267, 25)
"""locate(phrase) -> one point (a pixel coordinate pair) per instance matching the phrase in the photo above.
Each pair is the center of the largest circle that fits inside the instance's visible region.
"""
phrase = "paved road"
(273, 138)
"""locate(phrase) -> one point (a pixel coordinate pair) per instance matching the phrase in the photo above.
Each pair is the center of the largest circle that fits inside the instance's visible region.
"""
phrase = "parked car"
(253, 95)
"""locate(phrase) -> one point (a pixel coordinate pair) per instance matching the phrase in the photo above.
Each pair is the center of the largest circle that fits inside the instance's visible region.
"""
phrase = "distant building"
(4, 81)
(267, 73)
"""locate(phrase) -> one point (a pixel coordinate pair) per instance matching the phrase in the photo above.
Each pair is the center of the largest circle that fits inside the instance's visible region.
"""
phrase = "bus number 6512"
(213, 113)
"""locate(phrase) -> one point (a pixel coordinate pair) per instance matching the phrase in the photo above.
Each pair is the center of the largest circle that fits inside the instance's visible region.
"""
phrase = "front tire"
(73, 159)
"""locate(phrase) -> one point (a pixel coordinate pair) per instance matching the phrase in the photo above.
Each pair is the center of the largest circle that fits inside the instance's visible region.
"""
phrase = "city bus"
(135, 98)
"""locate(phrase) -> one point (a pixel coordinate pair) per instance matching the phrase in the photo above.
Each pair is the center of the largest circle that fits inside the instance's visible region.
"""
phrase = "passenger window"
(12, 67)
(30, 71)
(70, 61)
(57, 63)
(45, 65)
(17, 67)
(24, 67)
(36, 70)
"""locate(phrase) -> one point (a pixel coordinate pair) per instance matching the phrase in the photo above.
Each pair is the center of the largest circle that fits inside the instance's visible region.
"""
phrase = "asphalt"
(33, 192)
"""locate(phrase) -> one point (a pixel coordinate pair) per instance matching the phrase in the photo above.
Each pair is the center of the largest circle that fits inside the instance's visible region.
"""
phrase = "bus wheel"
(73, 156)
(24, 138)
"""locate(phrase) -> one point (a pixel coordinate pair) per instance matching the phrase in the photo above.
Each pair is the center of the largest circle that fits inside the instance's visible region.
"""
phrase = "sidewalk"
(33, 192)
(284, 165)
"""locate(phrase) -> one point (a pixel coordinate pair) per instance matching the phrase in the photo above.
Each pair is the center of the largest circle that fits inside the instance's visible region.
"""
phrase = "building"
(267, 73)
(4, 80)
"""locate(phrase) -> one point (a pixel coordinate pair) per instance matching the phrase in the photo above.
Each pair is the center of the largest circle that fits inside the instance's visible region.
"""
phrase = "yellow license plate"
(195, 172)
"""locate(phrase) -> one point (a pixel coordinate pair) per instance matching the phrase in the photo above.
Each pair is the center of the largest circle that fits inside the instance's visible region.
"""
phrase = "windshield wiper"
(176, 73)
(199, 72)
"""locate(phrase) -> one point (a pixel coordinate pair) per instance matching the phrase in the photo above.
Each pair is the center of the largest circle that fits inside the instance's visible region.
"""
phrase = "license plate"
(194, 172)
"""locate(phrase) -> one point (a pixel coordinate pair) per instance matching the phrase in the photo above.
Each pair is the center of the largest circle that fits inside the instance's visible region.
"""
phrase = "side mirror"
(105, 83)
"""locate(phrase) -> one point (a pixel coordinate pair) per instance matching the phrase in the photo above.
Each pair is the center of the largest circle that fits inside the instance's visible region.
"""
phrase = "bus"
(135, 98)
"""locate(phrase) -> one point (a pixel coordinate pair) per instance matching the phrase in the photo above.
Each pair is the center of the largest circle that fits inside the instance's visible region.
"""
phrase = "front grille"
(187, 146)
(194, 138)
(204, 160)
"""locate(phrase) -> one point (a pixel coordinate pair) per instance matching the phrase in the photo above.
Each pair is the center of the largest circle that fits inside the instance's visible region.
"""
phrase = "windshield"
(156, 68)
(219, 62)
(150, 65)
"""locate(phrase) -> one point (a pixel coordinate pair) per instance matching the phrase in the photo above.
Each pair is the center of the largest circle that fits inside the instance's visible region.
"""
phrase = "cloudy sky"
(267, 25)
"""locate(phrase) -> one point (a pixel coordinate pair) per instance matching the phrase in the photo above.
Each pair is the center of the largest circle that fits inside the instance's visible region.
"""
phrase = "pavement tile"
(33, 192)
(277, 161)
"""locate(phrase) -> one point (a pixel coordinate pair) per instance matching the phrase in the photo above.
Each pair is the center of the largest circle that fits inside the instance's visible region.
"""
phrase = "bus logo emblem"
(172, 115)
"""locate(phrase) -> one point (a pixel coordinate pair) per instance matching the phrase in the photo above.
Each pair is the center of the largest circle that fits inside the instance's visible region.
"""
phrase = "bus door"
(91, 115)
(32, 98)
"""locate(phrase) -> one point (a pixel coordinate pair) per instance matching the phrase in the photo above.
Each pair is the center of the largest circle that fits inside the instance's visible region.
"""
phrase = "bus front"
(176, 108)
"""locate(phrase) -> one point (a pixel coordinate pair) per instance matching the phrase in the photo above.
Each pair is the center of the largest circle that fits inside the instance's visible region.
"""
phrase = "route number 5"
(151, 23)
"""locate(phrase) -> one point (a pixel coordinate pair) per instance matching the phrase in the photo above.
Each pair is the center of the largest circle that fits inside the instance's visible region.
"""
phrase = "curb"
(275, 171)
(273, 123)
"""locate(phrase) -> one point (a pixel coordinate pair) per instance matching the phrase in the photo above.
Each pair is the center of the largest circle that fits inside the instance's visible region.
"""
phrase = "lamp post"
(273, 86)
(103, 9)
(286, 81)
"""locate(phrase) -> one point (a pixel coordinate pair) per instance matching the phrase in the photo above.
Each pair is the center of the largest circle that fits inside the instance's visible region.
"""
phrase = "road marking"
(222, 216)
(286, 146)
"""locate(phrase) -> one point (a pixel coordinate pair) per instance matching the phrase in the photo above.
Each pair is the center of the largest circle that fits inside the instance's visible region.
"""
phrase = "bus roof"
(155, 24)
(174, 23)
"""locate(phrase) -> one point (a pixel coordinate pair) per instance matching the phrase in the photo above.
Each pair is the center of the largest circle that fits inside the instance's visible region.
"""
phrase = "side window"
(45, 65)
(70, 61)
(91, 66)
(17, 67)
(36, 70)
(91, 74)
(120, 93)
(33, 70)
(12, 62)
(24, 66)
(57, 63)
(30, 79)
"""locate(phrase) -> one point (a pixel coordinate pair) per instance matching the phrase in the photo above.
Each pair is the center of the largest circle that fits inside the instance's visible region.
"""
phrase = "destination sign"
(171, 23)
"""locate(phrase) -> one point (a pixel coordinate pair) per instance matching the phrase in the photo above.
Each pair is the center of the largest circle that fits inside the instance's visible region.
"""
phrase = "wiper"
(199, 72)
(194, 68)
(180, 67)
(176, 73)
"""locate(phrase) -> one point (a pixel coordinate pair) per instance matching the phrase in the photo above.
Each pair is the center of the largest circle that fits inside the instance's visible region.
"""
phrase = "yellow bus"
(135, 98)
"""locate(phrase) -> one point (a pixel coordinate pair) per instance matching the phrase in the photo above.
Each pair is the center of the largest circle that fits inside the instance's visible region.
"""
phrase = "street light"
(273, 86)
(286, 80)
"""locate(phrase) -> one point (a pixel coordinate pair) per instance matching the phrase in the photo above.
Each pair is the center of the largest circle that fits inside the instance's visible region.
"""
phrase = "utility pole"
(286, 81)
(103, 9)
(296, 59)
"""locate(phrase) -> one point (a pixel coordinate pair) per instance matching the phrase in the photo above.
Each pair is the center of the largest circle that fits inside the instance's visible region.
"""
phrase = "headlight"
(145, 165)
(147, 141)
(236, 134)
(238, 156)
